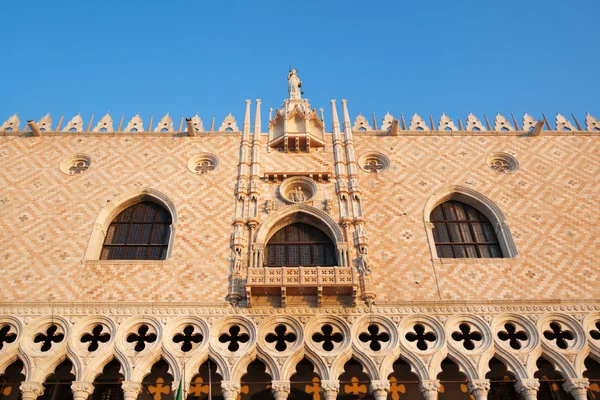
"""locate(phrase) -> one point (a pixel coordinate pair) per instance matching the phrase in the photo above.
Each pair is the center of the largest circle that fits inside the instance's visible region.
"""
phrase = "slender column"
(280, 389)
(330, 389)
(82, 390)
(341, 185)
(479, 388)
(429, 389)
(230, 389)
(31, 390)
(528, 388)
(255, 166)
(380, 389)
(131, 389)
(577, 387)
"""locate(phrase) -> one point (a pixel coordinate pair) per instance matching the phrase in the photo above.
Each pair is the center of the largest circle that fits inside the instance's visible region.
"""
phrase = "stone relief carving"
(591, 123)
(473, 123)
(563, 123)
(105, 123)
(446, 123)
(528, 122)
(269, 206)
(502, 124)
(386, 122)
(298, 189)
(45, 124)
(328, 206)
(418, 123)
(75, 124)
(11, 124)
(362, 263)
(165, 124)
(361, 124)
(229, 124)
(197, 123)
(135, 124)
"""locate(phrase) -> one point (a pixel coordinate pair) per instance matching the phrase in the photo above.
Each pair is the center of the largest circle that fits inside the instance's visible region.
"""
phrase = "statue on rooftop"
(294, 84)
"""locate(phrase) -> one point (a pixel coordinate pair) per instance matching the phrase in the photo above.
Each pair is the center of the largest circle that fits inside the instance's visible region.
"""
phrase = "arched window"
(140, 232)
(300, 244)
(462, 231)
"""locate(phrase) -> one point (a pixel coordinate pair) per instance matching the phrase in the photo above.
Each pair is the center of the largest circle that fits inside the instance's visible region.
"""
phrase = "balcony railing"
(300, 276)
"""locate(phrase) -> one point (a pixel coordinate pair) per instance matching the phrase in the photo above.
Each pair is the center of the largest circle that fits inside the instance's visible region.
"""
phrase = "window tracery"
(300, 244)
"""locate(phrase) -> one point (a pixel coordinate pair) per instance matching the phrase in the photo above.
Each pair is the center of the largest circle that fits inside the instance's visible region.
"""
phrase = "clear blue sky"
(197, 56)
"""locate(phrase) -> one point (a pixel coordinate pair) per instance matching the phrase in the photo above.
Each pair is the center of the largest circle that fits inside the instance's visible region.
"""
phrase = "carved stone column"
(131, 389)
(230, 389)
(380, 389)
(577, 387)
(82, 390)
(31, 390)
(280, 389)
(479, 388)
(330, 389)
(528, 388)
(429, 389)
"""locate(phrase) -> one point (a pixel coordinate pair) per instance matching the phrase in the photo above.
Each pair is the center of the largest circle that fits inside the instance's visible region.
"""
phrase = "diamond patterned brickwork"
(549, 204)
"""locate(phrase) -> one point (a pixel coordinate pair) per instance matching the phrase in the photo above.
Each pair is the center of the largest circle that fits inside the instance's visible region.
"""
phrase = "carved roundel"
(373, 162)
(92, 335)
(591, 325)
(468, 333)
(514, 333)
(10, 329)
(561, 332)
(502, 162)
(422, 334)
(280, 335)
(140, 334)
(46, 335)
(298, 189)
(202, 163)
(75, 164)
(233, 335)
(327, 335)
(185, 335)
(374, 334)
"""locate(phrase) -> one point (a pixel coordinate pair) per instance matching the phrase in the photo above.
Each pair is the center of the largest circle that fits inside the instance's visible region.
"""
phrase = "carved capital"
(528, 388)
(82, 390)
(280, 389)
(330, 389)
(479, 388)
(429, 389)
(131, 389)
(380, 389)
(577, 387)
(31, 390)
(230, 389)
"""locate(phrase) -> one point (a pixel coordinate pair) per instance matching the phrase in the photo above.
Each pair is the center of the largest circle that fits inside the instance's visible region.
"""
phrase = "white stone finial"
(229, 124)
(591, 123)
(446, 123)
(45, 124)
(135, 125)
(474, 124)
(361, 124)
(528, 122)
(165, 124)
(105, 124)
(418, 123)
(386, 122)
(11, 124)
(74, 125)
(563, 124)
(502, 124)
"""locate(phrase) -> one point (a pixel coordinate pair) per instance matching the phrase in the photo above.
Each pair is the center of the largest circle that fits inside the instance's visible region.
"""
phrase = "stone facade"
(370, 190)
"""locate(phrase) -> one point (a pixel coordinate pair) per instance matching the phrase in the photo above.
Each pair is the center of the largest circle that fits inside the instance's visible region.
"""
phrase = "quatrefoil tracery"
(49, 338)
(327, 337)
(559, 335)
(595, 334)
(6, 336)
(421, 337)
(141, 338)
(280, 337)
(95, 338)
(514, 336)
(466, 336)
(188, 338)
(234, 338)
(374, 337)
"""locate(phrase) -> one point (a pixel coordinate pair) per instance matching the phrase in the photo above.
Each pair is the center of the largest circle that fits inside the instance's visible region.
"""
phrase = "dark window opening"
(300, 245)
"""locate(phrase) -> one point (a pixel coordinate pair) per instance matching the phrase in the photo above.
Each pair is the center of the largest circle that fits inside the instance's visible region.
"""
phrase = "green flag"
(179, 393)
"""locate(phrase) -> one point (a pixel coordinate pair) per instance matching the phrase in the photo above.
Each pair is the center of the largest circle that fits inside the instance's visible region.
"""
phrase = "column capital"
(31, 390)
(82, 390)
(429, 389)
(131, 389)
(330, 389)
(230, 389)
(577, 387)
(479, 388)
(380, 389)
(280, 389)
(528, 388)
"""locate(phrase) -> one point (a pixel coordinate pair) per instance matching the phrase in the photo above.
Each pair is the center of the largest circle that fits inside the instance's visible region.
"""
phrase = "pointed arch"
(478, 201)
(120, 203)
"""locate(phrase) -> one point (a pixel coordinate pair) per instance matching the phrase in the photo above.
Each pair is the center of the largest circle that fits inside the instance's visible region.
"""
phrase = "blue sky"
(69, 57)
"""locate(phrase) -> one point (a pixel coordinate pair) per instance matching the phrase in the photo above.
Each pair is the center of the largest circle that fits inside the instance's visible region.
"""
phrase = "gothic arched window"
(300, 244)
(140, 232)
(462, 231)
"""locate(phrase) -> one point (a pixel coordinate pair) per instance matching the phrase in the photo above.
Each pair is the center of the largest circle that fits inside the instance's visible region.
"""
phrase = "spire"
(347, 126)
(335, 123)
(257, 121)
(246, 127)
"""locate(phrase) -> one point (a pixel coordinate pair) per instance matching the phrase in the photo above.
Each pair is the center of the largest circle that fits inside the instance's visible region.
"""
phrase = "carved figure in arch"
(105, 123)
(417, 123)
(446, 123)
(45, 124)
(528, 122)
(473, 123)
(13, 124)
(75, 124)
(135, 125)
(237, 261)
(229, 124)
(165, 123)
(269, 206)
(563, 124)
(294, 85)
(591, 123)
(328, 206)
(362, 263)
(361, 124)
(502, 124)
(386, 122)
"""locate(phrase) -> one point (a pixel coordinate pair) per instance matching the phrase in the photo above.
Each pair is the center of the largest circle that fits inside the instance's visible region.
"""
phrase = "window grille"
(140, 232)
(300, 245)
(461, 231)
